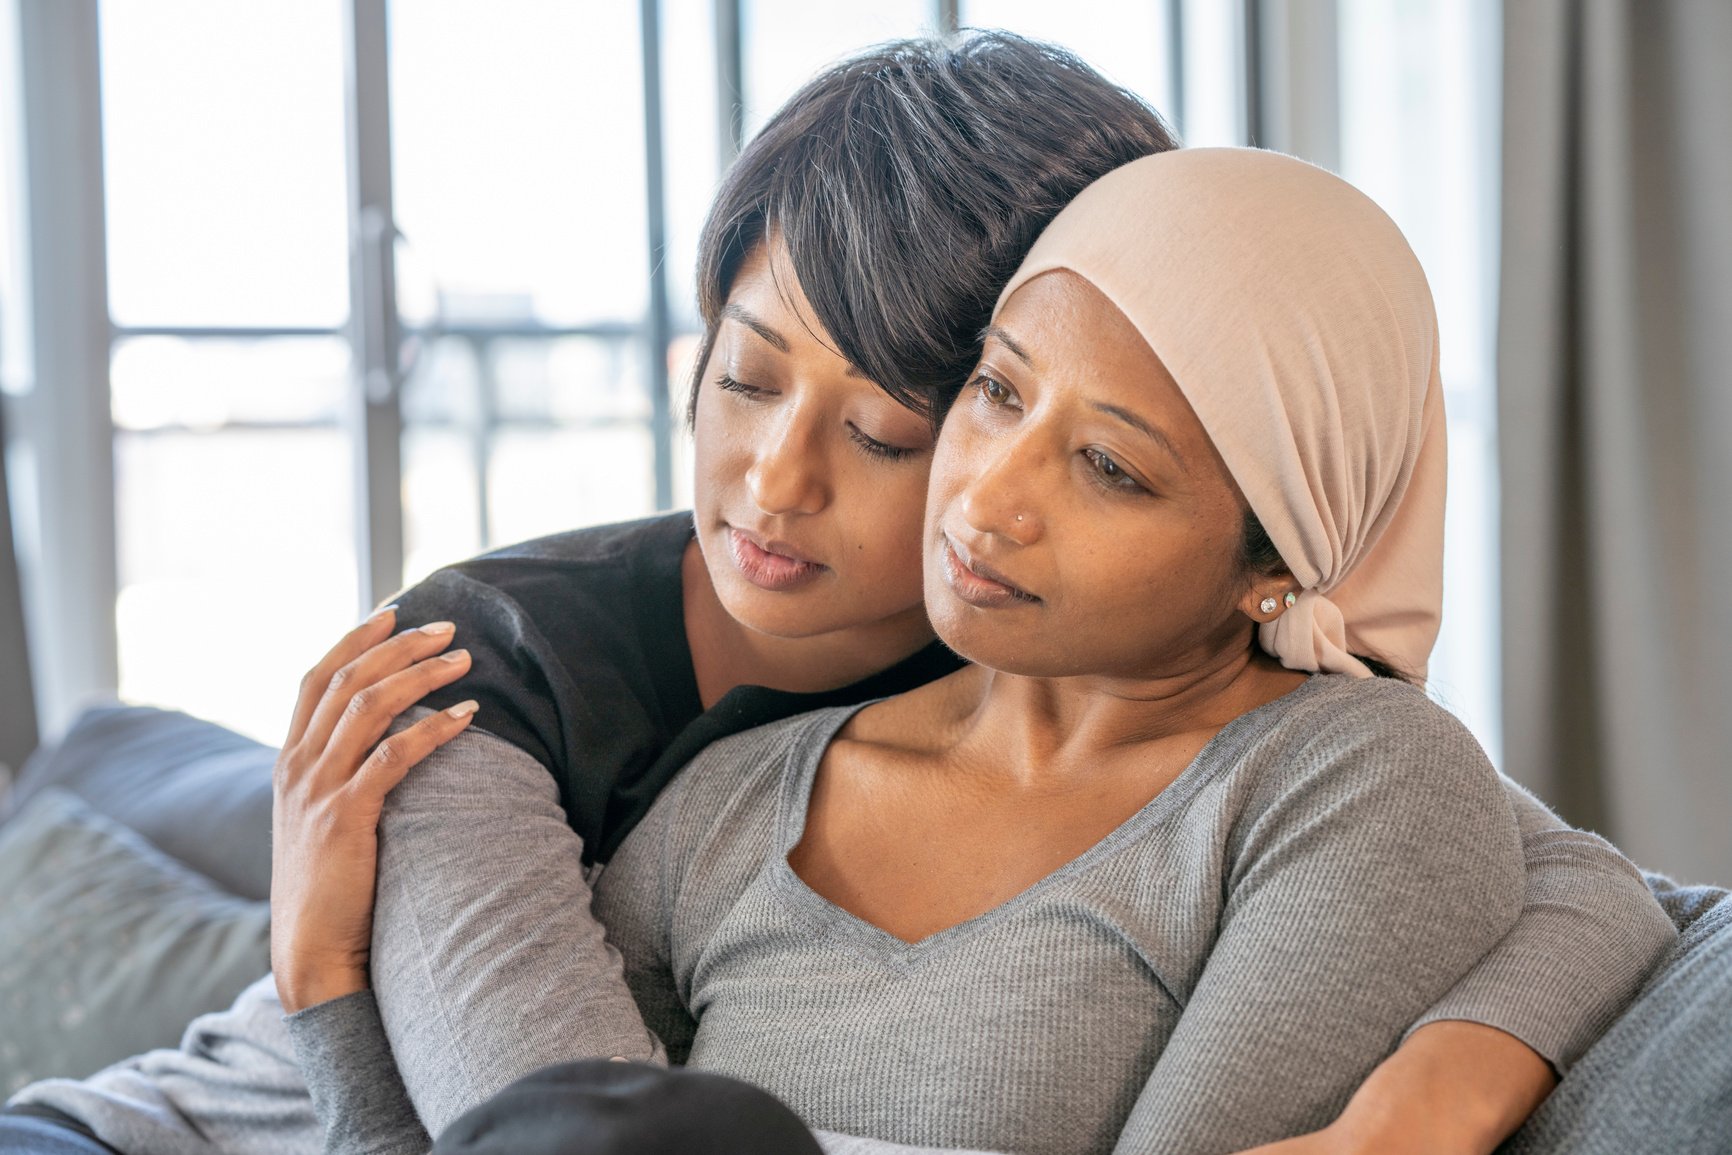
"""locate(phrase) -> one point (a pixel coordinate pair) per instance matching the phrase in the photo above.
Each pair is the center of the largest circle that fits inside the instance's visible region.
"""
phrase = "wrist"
(303, 986)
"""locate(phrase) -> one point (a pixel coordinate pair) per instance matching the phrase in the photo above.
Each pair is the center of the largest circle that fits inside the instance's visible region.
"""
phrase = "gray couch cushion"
(198, 792)
(111, 947)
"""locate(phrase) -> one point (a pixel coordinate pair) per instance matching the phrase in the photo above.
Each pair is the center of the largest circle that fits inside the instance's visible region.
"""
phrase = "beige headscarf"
(1297, 322)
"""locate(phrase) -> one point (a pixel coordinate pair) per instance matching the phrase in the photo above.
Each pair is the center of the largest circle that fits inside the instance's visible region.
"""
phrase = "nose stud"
(1019, 517)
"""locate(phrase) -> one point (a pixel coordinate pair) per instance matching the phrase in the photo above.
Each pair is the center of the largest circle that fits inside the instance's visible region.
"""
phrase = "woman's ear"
(1270, 596)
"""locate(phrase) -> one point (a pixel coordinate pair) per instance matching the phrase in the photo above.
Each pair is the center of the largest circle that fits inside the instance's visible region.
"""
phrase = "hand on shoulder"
(330, 783)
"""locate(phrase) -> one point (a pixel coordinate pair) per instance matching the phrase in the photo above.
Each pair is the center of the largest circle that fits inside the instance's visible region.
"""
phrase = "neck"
(727, 653)
(1053, 728)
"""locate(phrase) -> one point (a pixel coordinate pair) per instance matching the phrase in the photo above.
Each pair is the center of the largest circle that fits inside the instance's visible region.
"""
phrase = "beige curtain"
(1615, 412)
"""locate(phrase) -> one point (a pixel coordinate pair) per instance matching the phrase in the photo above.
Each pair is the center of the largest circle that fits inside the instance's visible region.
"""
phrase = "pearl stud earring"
(1291, 600)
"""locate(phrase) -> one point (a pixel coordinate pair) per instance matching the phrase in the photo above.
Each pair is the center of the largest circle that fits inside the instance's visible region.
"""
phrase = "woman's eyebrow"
(1142, 426)
(994, 333)
(738, 313)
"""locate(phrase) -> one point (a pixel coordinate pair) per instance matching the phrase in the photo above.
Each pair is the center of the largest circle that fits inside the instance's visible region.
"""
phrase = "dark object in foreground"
(598, 1107)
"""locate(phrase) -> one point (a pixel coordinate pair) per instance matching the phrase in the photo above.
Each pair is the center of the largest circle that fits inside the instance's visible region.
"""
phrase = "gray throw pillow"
(108, 947)
(196, 791)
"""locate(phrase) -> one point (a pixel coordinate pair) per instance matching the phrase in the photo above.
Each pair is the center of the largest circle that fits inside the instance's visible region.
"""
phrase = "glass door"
(228, 251)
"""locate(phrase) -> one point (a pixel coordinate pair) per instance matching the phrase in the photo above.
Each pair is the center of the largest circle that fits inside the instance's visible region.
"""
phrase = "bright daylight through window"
(528, 169)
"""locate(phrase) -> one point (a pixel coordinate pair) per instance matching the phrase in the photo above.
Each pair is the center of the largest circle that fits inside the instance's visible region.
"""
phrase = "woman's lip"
(976, 584)
(765, 565)
(772, 546)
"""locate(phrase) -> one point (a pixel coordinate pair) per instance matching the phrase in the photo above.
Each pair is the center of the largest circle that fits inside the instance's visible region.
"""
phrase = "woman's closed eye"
(876, 448)
(734, 385)
(867, 444)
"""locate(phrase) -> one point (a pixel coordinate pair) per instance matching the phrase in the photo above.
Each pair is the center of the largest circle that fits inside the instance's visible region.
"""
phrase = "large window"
(392, 283)
(228, 287)
(1420, 109)
(522, 273)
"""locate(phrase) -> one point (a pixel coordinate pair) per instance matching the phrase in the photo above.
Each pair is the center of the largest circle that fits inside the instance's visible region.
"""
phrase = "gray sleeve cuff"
(1589, 935)
(357, 1092)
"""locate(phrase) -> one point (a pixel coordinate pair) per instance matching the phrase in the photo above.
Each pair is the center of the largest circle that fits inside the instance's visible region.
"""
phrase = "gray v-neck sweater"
(1222, 970)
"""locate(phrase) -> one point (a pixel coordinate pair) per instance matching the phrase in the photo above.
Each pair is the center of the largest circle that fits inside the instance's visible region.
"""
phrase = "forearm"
(487, 961)
(360, 1099)
(1453, 1088)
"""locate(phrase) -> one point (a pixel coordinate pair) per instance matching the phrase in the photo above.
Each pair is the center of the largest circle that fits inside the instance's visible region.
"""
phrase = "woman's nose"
(787, 471)
(999, 498)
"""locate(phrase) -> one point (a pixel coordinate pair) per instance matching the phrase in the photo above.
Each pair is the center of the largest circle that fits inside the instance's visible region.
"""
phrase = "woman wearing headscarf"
(1166, 868)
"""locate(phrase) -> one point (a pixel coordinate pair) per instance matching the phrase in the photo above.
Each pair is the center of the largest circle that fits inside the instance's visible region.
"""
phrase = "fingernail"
(454, 656)
(438, 628)
(383, 612)
(464, 709)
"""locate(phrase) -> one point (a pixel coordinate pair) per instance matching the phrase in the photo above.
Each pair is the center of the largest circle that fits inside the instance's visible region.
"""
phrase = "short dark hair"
(907, 184)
